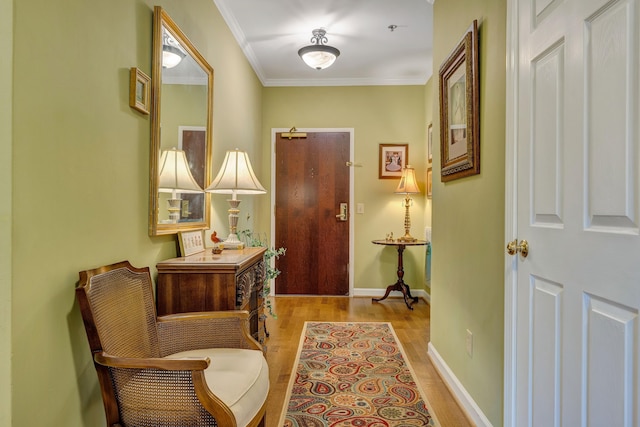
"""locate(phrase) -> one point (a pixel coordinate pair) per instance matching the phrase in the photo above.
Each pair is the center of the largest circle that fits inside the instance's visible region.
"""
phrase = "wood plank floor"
(412, 328)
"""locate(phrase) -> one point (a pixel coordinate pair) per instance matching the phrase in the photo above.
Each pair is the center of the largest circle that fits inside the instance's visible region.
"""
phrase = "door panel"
(312, 180)
(577, 295)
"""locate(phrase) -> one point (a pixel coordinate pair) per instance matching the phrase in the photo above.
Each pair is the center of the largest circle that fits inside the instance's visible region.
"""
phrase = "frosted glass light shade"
(319, 57)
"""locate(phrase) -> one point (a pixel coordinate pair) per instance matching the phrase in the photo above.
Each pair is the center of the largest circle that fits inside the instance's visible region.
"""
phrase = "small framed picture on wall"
(139, 90)
(393, 158)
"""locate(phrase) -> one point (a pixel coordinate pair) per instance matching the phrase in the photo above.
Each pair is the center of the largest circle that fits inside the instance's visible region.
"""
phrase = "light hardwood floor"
(411, 326)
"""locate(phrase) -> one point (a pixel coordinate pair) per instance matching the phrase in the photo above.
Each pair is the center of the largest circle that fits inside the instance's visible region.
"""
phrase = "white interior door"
(572, 308)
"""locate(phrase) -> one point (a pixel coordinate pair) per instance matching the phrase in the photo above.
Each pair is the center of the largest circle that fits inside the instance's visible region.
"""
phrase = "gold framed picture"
(429, 183)
(459, 110)
(393, 158)
(139, 90)
(191, 242)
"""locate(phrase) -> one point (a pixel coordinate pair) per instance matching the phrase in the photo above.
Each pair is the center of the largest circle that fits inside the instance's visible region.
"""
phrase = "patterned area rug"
(353, 374)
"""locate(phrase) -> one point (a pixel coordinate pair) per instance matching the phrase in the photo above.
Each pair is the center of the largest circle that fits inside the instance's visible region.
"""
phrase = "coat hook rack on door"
(293, 133)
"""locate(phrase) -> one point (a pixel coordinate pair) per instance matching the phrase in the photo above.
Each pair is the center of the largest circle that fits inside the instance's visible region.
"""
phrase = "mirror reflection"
(182, 88)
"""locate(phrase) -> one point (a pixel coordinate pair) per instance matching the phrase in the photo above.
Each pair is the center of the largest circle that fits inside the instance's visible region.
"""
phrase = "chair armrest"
(151, 388)
(187, 364)
(212, 329)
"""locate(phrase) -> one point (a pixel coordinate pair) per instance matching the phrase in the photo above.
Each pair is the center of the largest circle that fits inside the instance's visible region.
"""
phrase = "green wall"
(80, 176)
(468, 218)
(378, 114)
(6, 98)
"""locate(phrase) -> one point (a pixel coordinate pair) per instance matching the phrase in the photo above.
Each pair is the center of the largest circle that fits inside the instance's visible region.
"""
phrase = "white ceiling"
(270, 33)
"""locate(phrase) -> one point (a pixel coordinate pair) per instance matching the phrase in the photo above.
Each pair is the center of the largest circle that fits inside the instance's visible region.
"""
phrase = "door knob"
(513, 248)
(343, 215)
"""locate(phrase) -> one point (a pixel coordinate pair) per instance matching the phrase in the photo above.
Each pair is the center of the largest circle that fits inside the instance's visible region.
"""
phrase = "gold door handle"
(513, 248)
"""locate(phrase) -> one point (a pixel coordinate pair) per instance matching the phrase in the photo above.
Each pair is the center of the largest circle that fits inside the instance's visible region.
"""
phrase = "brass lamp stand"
(408, 185)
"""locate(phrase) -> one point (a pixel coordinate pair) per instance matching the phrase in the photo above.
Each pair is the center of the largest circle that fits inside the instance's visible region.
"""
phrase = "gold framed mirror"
(181, 131)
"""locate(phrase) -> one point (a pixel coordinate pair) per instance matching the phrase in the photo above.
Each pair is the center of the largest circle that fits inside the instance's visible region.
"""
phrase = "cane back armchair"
(193, 369)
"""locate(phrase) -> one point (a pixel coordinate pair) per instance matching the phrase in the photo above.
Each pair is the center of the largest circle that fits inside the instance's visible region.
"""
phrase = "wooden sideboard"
(232, 280)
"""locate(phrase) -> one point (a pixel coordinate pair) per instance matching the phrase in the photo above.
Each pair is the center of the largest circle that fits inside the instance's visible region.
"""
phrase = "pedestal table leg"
(400, 285)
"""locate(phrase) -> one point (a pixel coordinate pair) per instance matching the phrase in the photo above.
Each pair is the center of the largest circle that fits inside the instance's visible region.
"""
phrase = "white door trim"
(351, 132)
(511, 223)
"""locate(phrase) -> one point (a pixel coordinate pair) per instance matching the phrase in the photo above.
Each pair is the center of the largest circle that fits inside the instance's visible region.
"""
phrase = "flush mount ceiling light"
(318, 55)
(172, 54)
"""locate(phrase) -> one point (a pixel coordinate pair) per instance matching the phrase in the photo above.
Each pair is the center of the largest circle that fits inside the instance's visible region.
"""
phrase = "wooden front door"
(575, 329)
(312, 180)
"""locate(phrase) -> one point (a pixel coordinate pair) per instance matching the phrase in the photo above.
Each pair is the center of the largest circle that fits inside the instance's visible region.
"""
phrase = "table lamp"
(235, 177)
(408, 185)
(175, 177)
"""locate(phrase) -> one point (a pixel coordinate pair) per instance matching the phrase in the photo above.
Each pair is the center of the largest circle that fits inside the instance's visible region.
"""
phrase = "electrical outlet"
(469, 342)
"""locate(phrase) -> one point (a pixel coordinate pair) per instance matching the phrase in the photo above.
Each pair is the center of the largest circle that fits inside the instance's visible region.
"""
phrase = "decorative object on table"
(191, 242)
(389, 237)
(408, 185)
(355, 374)
(216, 243)
(271, 272)
(139, 90)
(393, 157)
(235, 177)
(318, 55)
(175, 178)
(459, 110)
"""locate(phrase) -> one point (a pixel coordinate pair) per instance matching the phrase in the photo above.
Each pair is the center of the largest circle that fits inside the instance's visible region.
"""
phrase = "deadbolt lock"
(513, 248)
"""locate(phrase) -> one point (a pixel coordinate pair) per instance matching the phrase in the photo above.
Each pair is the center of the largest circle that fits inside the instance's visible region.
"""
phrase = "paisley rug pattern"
(353, 375)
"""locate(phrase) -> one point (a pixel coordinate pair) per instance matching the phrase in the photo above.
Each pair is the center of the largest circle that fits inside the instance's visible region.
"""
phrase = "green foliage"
(255, 240)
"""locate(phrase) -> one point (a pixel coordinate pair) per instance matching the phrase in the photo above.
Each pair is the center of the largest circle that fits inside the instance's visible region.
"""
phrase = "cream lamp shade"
(235, 177)
(175, 177)
(175, 174)
(408, 183)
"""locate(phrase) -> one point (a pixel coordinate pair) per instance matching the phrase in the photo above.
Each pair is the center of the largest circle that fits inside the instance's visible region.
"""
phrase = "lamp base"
(407, 223)
(173, 206)
(232, 242)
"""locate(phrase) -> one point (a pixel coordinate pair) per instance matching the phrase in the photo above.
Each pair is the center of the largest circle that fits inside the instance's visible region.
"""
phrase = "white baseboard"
(377, 293)
(464, 399)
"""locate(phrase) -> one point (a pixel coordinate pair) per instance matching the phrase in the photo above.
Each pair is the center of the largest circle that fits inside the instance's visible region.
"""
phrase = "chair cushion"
(240, 378)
